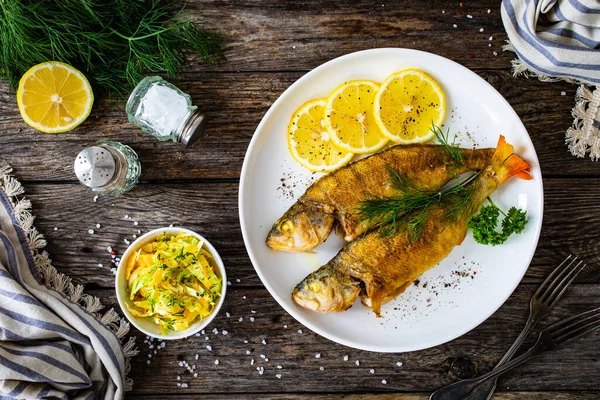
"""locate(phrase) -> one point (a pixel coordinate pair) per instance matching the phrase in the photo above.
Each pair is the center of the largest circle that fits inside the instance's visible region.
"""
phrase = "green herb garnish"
(485, 223)
(113, 42)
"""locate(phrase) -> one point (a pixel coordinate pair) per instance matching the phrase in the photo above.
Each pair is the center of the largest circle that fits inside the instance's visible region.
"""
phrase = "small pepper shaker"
(108, 168)
(165, 112)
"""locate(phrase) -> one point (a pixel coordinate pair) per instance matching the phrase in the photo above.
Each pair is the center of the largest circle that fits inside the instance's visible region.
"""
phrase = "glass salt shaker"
(165, 112)
(108, 168)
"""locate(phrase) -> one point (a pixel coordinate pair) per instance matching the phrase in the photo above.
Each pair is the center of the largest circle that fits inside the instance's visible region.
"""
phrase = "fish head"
(301, 228)
(327, 290)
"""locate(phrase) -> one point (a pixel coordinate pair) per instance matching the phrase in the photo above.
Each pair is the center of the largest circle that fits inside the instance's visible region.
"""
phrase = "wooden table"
(270, 45)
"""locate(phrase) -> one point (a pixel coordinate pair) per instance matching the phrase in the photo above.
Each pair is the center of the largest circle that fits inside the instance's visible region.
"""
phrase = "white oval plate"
(452, 298)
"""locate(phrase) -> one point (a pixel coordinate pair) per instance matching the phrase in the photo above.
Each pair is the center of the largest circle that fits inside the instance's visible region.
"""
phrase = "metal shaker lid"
(95, 166)
(193, 129)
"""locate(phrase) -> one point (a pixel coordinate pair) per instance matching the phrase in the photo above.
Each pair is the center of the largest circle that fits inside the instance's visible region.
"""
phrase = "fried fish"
(379, 268)
(333, 198)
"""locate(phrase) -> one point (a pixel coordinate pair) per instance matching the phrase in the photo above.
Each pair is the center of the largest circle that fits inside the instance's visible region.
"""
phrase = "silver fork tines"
(571, 328)
(552, 289)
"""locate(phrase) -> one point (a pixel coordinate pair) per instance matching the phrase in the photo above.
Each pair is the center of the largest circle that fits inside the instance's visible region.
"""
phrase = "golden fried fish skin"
(334, 197)
(383, 267)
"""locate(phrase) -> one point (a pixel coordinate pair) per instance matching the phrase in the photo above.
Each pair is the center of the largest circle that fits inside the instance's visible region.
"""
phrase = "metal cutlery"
(540, 305)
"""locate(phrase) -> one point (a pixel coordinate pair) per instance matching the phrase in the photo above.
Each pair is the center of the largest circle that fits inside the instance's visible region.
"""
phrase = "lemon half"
(54, 97)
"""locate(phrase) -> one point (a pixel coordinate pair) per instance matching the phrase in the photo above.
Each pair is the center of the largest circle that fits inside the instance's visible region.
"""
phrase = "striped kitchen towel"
(53, 342)
(560, 40)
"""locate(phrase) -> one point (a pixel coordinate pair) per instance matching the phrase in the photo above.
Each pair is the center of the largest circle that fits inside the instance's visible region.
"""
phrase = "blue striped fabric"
(556, 38)
(50, 345)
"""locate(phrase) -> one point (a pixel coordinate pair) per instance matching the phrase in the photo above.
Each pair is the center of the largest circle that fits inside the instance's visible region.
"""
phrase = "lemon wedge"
(350, 119)
(310, 143)
(407, 104)
(54, 97)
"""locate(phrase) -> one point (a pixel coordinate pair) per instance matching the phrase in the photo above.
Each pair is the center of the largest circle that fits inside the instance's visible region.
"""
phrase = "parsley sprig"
(484, 225)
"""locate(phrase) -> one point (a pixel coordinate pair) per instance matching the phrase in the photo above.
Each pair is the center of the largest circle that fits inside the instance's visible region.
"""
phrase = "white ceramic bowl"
(146, 325)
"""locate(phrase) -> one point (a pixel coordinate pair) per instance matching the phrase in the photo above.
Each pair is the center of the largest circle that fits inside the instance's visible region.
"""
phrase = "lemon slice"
(407, 104)
(54, 97)
(309, 141)
(350, 120)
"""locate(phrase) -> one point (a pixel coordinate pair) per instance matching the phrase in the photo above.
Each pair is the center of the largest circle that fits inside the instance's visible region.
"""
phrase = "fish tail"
(507, 164)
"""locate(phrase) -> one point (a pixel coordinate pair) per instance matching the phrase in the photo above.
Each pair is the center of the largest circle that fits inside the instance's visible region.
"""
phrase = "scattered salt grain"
(252, 362)
(209, 347)
(399, 363)
(469, 16)
(454, 26)
(300, 331)
(264, 341)
(216, 362)
(227, 315)
(372, 371)
(495, 53)
(178, 377)
(443, 12)
(263, 356)
(318, 355)
(480, 29)
(322, 368)
(224, 332)
(215, 331)
(357, 363)
(148, 362)
(245, 341)
(241, 319)
(113, 270)
(170, 226)
(252, 311)
(489, 45)
(267, 359)
(95, 198)
(294, 47)
(279, 367)
(285, 326)
(195, 374)
(178, 384)
(244, 297)
(126, 216)
(134, 236)
(206, 338)
(202, 332)
(98, 226)
(345, 358)
(197, 356)
(228, 283)
(126, 241)
(489, 11)
(139, 232)
(563, 93)
(251, 319)
(278, 376)
(91, 231)
(180, 363)
(384, 381)
(136, 223)
(238, 281)
(491, 38)
(55, 228)
(247, 352)
(100, 265)
(184, 385)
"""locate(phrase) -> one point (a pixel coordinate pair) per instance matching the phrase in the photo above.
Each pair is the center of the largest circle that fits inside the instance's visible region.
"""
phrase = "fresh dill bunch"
(412, 206)
(113, 42)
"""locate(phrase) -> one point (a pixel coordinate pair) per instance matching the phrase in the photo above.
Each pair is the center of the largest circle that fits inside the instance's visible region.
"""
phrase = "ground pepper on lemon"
(310, 143)
(54, 97)
(406, 106)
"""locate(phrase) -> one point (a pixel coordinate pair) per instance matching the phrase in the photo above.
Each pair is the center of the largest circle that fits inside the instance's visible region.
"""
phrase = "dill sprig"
(113, 42)
(449, 148)
(412, 206)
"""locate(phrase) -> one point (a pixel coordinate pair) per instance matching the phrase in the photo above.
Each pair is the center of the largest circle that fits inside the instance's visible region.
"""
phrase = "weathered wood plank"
(572, 368)
(373, 396)
(571, 218)
(235, 104)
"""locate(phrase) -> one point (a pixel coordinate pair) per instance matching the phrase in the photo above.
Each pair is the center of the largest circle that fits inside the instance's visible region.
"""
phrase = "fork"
(550, 338)
(540, 305)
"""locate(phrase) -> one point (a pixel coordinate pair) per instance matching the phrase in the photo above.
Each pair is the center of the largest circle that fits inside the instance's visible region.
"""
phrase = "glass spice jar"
(165, 112)
(108, 168)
